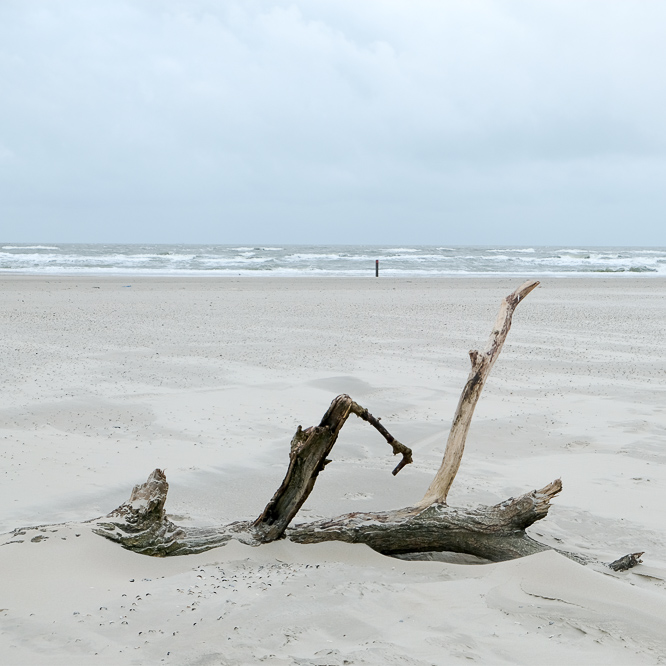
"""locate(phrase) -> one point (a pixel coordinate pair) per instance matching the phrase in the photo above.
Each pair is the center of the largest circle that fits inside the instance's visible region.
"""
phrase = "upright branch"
(482, 363)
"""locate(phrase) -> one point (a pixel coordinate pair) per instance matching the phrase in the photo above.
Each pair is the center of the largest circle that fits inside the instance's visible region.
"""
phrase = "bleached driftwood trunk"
(482, 364)
(491, 532)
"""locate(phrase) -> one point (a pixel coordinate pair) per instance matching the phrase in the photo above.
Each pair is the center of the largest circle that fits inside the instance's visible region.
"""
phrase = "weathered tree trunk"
(491, 532)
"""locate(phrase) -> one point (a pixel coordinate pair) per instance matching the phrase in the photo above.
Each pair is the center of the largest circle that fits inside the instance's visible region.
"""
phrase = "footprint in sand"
(357, 496)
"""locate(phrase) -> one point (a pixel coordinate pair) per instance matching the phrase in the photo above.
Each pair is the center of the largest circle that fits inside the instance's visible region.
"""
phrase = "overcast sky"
(333, 121)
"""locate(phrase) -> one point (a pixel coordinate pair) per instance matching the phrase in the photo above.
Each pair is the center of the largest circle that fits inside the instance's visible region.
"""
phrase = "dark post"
(376, 267)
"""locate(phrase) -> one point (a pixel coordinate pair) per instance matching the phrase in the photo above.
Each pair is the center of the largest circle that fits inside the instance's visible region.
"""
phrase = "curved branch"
(397, 446)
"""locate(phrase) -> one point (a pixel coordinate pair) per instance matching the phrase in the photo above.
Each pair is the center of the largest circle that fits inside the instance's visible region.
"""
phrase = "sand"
(104, 379)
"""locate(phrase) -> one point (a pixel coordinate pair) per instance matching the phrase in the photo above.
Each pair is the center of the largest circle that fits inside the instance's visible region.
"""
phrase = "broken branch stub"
(482, 363)
(140, 523)
(627, 562)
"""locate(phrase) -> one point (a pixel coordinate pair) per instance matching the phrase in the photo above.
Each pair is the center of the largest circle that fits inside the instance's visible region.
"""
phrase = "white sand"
(103, 382)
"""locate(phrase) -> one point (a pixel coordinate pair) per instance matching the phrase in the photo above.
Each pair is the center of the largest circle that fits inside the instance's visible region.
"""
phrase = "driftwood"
(494, 533)
(482, 364)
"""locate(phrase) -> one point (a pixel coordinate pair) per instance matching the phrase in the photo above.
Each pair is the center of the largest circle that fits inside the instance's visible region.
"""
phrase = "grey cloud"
(332, 121)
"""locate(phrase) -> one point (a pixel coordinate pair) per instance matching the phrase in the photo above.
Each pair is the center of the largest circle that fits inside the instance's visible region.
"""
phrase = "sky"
(333, 121)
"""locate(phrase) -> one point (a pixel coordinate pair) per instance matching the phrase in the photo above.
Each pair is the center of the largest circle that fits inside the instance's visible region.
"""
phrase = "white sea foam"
(330, 260)
(265, 249)
(30, 247)
(311, 256)
(513, 249)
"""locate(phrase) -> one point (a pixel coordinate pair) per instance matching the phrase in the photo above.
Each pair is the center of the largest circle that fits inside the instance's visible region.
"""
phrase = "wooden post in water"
(376, 267)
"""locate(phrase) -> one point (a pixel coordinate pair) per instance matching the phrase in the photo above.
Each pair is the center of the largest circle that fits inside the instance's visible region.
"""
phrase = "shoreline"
(369, 275)
(332, 261)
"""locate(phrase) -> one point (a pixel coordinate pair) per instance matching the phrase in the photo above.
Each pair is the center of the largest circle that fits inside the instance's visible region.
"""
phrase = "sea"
(329, 260)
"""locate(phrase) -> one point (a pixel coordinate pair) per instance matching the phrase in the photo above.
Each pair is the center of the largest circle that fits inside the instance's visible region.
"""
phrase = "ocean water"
(325, 260)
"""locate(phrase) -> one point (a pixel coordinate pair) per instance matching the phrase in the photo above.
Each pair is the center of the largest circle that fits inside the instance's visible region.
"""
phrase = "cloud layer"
(333, 121)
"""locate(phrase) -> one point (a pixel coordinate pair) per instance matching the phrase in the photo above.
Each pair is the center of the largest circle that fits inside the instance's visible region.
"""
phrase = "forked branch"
(141, 523)
(309, 449)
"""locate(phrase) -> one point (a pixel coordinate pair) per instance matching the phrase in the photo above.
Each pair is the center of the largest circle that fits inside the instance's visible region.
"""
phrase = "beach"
(107, 378)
